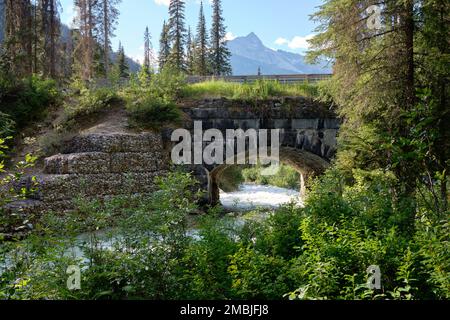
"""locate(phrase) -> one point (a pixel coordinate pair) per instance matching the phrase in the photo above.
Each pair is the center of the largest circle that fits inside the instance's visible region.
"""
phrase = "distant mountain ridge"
(249, 53)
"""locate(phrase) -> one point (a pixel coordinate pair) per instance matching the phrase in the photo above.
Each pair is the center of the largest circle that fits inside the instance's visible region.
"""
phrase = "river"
(247, 198)
(252, 196)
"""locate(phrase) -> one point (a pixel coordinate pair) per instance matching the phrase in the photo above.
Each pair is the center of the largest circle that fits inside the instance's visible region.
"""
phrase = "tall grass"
(261, 89)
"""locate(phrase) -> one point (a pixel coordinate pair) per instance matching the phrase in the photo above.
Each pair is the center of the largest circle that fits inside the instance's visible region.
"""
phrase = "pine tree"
(50, 31)
(164, 46)
(201, 45)
(177, 34)
(220, 54)
(190, 53)
(108, 15)
(86, 21)
(19, 36)
(121, 64)
(378, 73)
(147, 51)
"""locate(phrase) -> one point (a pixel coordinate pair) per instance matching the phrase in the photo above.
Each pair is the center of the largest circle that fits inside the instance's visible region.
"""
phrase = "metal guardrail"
(286, 79)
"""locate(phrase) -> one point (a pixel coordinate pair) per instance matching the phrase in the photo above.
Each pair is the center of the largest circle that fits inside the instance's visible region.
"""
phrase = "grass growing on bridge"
(261, 89)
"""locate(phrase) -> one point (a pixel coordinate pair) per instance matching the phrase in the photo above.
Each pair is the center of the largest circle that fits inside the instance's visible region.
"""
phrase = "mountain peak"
(250, 54)
(253, 37)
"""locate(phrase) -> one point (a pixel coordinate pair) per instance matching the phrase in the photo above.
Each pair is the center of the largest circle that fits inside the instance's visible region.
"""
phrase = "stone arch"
(304, 162)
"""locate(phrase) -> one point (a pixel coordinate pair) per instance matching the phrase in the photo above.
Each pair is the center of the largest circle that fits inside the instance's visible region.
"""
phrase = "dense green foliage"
(24, 101)
(151, 100)
(286, 177)
(91, 101)
(317, 252)
(232, 177)
(391, 88)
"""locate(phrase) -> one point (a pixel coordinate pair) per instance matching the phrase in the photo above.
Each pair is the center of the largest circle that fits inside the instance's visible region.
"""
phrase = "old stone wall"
(304, 124)
(99, 166)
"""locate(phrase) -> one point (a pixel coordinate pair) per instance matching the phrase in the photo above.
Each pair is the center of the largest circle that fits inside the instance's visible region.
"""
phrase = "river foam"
(256, 196)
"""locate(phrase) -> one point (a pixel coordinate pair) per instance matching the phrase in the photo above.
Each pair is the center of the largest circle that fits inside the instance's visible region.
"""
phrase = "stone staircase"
(98, 166)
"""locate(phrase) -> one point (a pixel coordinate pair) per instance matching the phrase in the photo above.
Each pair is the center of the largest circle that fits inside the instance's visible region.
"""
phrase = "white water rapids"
(256, 196)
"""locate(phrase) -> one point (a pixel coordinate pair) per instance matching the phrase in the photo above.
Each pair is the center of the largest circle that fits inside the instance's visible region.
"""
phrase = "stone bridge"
(100, 165)
(308, 132)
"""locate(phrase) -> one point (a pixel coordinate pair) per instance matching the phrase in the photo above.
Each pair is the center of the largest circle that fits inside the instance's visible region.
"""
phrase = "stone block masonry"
(98, 166)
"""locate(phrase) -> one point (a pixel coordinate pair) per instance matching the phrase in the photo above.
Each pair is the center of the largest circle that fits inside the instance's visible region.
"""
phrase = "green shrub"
(286, 177)
(258, 276)
(205, 262)
(321, 251)
(152, 111)
(90, 102)
(7, 125)
(27, 100)
(167, 84)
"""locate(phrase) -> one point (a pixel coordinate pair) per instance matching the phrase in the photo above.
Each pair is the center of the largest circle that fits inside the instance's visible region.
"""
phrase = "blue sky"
(281, 24)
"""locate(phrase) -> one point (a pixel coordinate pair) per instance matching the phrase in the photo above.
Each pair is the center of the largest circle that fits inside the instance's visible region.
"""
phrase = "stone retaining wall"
(98, 166)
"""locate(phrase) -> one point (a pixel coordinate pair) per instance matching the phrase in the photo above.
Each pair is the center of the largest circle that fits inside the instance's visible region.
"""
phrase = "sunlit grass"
(261, 89)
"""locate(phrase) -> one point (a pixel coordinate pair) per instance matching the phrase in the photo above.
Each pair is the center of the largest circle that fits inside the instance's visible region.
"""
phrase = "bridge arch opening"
(307, 164)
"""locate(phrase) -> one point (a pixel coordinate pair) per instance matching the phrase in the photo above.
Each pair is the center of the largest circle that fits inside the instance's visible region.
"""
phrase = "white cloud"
(295, 43)
(162, 2)
(230, 36)
(281, 41)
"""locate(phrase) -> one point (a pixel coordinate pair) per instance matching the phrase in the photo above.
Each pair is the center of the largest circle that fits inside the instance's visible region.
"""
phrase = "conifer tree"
(164, 46)
(190, 54)
(19, 36)
(220, 54)
(86, 21)
(177, 34)
(379, 82)
(50, 31)
(122, 66)
(201, 45)
(108, 15)
(147, 51)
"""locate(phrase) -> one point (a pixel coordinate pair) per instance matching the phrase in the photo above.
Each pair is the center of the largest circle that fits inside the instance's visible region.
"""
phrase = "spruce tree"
(201, 45)
(220, 54)
(164, 46)
(122, 66)
(147, 51)
(19, 36)
(380, 76)
(177, 35)
(108, 15)
(190, 53)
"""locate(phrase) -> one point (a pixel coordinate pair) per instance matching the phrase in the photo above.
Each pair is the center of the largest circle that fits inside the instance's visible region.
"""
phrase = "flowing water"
(250, 196)
(247, 198)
